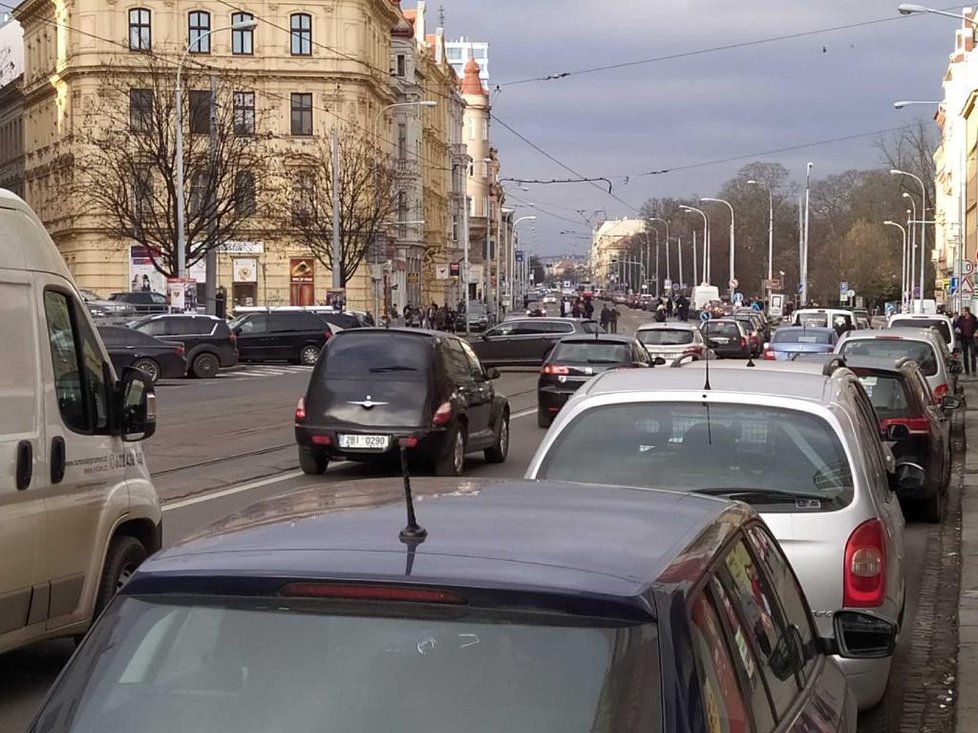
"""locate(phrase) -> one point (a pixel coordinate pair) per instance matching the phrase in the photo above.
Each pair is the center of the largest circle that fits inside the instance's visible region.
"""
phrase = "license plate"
(722, 340)
(365, 442)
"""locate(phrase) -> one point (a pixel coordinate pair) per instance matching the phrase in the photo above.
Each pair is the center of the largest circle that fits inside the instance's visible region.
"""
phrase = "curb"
(966, 718)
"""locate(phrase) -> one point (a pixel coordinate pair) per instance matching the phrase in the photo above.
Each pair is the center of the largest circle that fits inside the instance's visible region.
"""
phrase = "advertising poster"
(143, 276)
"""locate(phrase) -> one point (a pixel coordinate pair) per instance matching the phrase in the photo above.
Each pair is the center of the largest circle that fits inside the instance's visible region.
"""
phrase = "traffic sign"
(916, 293)
(519, 255)
(890, 308)
(704, 316)
(738, 298)
(843, 287)
(953, 286)
(851, 294)
(967, 288)
(800, 287)
(772, 284)
(667, 284)
(969, 267)
(734, 282)
(676, 287)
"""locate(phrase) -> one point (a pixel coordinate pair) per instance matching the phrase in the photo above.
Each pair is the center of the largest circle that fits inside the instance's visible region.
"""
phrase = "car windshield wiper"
(393, 368)
(767, 495)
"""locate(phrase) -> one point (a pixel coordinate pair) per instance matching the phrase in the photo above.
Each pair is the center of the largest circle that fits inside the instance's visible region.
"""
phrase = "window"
(198, 193)
(142, 195)
(475, 366)
(401, 65)
(244, 113)
(199, 36)
(255, 324)
(200, 112)
(401, 141)
(140, 30)
(303, 197)
(302, 114)
(301, 34)
(79, 372)
(244, 193)
(456, 364)
(243, 40)
(723, 703)
(140, 110)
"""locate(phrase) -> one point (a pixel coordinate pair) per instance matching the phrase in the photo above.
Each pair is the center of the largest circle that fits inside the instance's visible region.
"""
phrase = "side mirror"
(954, 366)
(485, 336)
(910, 477)
(658, 361)
(950, 402)
(137, 405)
(897, 432)
(861, 635)
(492, 373)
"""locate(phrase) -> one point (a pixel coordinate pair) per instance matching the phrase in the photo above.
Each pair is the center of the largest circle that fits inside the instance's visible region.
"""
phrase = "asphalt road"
(225, 443)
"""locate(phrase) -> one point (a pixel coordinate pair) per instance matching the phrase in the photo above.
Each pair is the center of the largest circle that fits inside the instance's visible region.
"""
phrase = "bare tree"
(125, 172)
(369, 201)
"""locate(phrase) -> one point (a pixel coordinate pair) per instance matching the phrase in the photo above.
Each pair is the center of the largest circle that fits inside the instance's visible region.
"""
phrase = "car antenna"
(706, 384)
(413, 534)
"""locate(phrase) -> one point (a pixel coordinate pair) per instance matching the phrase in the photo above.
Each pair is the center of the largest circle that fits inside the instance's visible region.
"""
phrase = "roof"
(919, 334)
(673, 326)
(797, 380)
(879, 364)
(530, 536)
(471, 83)
(588, 338)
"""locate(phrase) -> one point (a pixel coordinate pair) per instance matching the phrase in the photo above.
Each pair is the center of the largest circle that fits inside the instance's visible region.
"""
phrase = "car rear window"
(805, 336)
(188, 326)
(689, 446)
(583, 352)
(888, 393)
(813, 320)
(246, 666)
(666, 336)
(894, 348)
(721, 329)
(372, 353)
(939, 324)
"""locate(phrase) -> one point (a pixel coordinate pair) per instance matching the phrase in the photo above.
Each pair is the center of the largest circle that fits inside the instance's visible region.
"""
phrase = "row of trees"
(848, 241)
(240, 180)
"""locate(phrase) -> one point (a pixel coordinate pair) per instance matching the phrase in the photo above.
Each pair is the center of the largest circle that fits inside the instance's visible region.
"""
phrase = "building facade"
(12, 136)
(607, 243)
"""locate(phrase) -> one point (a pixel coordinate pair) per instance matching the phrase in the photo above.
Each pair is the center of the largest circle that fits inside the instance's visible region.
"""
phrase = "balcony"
(407, 167)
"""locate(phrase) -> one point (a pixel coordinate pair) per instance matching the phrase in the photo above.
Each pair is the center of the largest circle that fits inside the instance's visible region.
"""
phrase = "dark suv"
(296, 336)
(527, 341)
(373, 386)
(143, 301)
(208, 340)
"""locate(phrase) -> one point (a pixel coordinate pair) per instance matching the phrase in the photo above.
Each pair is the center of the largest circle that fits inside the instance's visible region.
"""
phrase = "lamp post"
(770, 233)
(903, 271)
(733, 288)
(911, 217)
(526, 262)
(668, 269)
(178, 99)
(923, 226)
(911, 9)
(706, 241)
(804, 260)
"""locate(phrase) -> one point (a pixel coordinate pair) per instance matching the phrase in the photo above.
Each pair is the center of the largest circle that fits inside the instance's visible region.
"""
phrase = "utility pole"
(465, 264)
(679, 248)
(337, 258)
(696, 280)
(210, 258)
(804, 263)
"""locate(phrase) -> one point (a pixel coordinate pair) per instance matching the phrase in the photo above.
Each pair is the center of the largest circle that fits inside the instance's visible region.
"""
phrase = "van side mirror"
(954, 366)
(950, 402)
(897, 432)
(137, 405)
(861, 635)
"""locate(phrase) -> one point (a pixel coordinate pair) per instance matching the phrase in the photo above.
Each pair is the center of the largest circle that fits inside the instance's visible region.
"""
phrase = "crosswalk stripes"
(259, 371)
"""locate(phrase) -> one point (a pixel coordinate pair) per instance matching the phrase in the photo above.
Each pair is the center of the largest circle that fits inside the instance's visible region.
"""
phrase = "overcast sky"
(695, 109)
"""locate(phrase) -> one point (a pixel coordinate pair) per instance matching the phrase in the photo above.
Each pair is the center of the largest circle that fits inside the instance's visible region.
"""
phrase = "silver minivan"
(798, 441)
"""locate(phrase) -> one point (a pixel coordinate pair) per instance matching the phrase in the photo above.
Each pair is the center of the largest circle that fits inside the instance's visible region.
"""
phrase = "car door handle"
(58, 459)
(25, 464)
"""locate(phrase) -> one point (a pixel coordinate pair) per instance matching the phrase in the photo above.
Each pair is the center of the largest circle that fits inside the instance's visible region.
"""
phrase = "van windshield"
(242, 666)
(362, 353)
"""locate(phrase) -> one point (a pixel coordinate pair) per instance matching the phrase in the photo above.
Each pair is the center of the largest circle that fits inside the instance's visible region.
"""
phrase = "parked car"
(664, 613)
(838, 318)
(759, 322)
(526, 341)
(373, 386)
(576, 359)
(727, 337)
(799, 442)
(924, 346)
(295, 336)
(673, 340)
(942, 323)
(107, 312)
(78, 511)
(207, 340)
(789, 341)
(156, 358)
(920, 430)
(143, 301)
(478, 316)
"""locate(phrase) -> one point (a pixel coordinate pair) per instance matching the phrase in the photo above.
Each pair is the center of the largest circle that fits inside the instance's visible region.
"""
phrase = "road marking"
(231, 491)
(525, 413)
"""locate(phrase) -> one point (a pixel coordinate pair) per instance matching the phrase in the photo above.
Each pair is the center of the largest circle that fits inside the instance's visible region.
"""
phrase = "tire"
(313, 464)
(149, 367)
(452, 461)
(308, 355)
(544, 418)
(205, 366)
(125, 554)
(932, 510)
(499, 451)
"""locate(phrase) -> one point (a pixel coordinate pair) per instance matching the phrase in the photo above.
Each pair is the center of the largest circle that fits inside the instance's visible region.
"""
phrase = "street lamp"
(770, 232)
(526, 263)
(668, 269)
(244, 25)
(911, 9)
(733, 287)
(706, 241)
(908, 280)
(908, 102)
(418, 103)
(903, 277)
(923, 227)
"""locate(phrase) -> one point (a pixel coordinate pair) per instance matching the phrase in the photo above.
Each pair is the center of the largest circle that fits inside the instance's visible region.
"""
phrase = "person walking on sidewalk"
(965, 326)
(613, 318)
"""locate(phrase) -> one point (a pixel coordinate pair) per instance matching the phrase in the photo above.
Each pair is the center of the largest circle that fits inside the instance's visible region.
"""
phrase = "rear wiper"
(393, 368)
(769, 495)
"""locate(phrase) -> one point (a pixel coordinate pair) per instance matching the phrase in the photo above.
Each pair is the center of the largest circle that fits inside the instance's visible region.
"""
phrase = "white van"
(703, 295)
(77, 510)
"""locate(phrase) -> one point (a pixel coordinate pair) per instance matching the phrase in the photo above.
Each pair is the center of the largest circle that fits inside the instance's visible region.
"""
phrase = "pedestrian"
(660, 314)
(588, 308)
(368, 318)
(669, 307)
(965, 327)
(614, 320)
(605, 317)
(576, 310)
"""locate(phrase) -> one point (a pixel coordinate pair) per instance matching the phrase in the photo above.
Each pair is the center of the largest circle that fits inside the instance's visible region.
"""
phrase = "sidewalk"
(967, 682)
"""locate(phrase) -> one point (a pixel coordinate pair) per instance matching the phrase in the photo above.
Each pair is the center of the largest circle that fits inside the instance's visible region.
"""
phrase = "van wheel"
(308, 355)
(313, 464)
(544, 418)
(124, 556)
(499, 451)
(148, 367)
(205, 366)
(452, 461)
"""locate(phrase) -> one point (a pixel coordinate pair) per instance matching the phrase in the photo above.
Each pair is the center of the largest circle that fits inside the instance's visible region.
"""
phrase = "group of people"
(436, 317)
(665, 308)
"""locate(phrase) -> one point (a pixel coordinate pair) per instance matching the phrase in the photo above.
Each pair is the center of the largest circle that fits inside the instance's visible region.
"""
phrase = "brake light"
(443, 414)
(321, 440)
(693, 351)
(864, 574)
(769, 355)
(743, 343)
(554, 369)
(234, 340)
(940, 391)
(300, 410)
(327, 334)
(916, 425)
(370, 593)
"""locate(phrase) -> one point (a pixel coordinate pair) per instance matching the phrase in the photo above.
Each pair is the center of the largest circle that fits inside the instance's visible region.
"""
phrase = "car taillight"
(371, 593)
(234, 340)
(327, 334)
(769, 355)
(179, 350)
(321, 440)
(300, 410)
(554, 369)
(939, 392)
(743, 343)
(443, 414)
(693, 351)
(864, 574)
(916, 425)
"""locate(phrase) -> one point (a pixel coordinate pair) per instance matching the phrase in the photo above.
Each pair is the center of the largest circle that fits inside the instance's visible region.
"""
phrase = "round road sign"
(734, 282)
(851, 294)
(704, 316)
(969, 267)
(675, 287)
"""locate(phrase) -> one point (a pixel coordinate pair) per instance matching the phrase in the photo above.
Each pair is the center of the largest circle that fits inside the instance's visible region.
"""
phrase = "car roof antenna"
(413, 534)
(706, 385)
